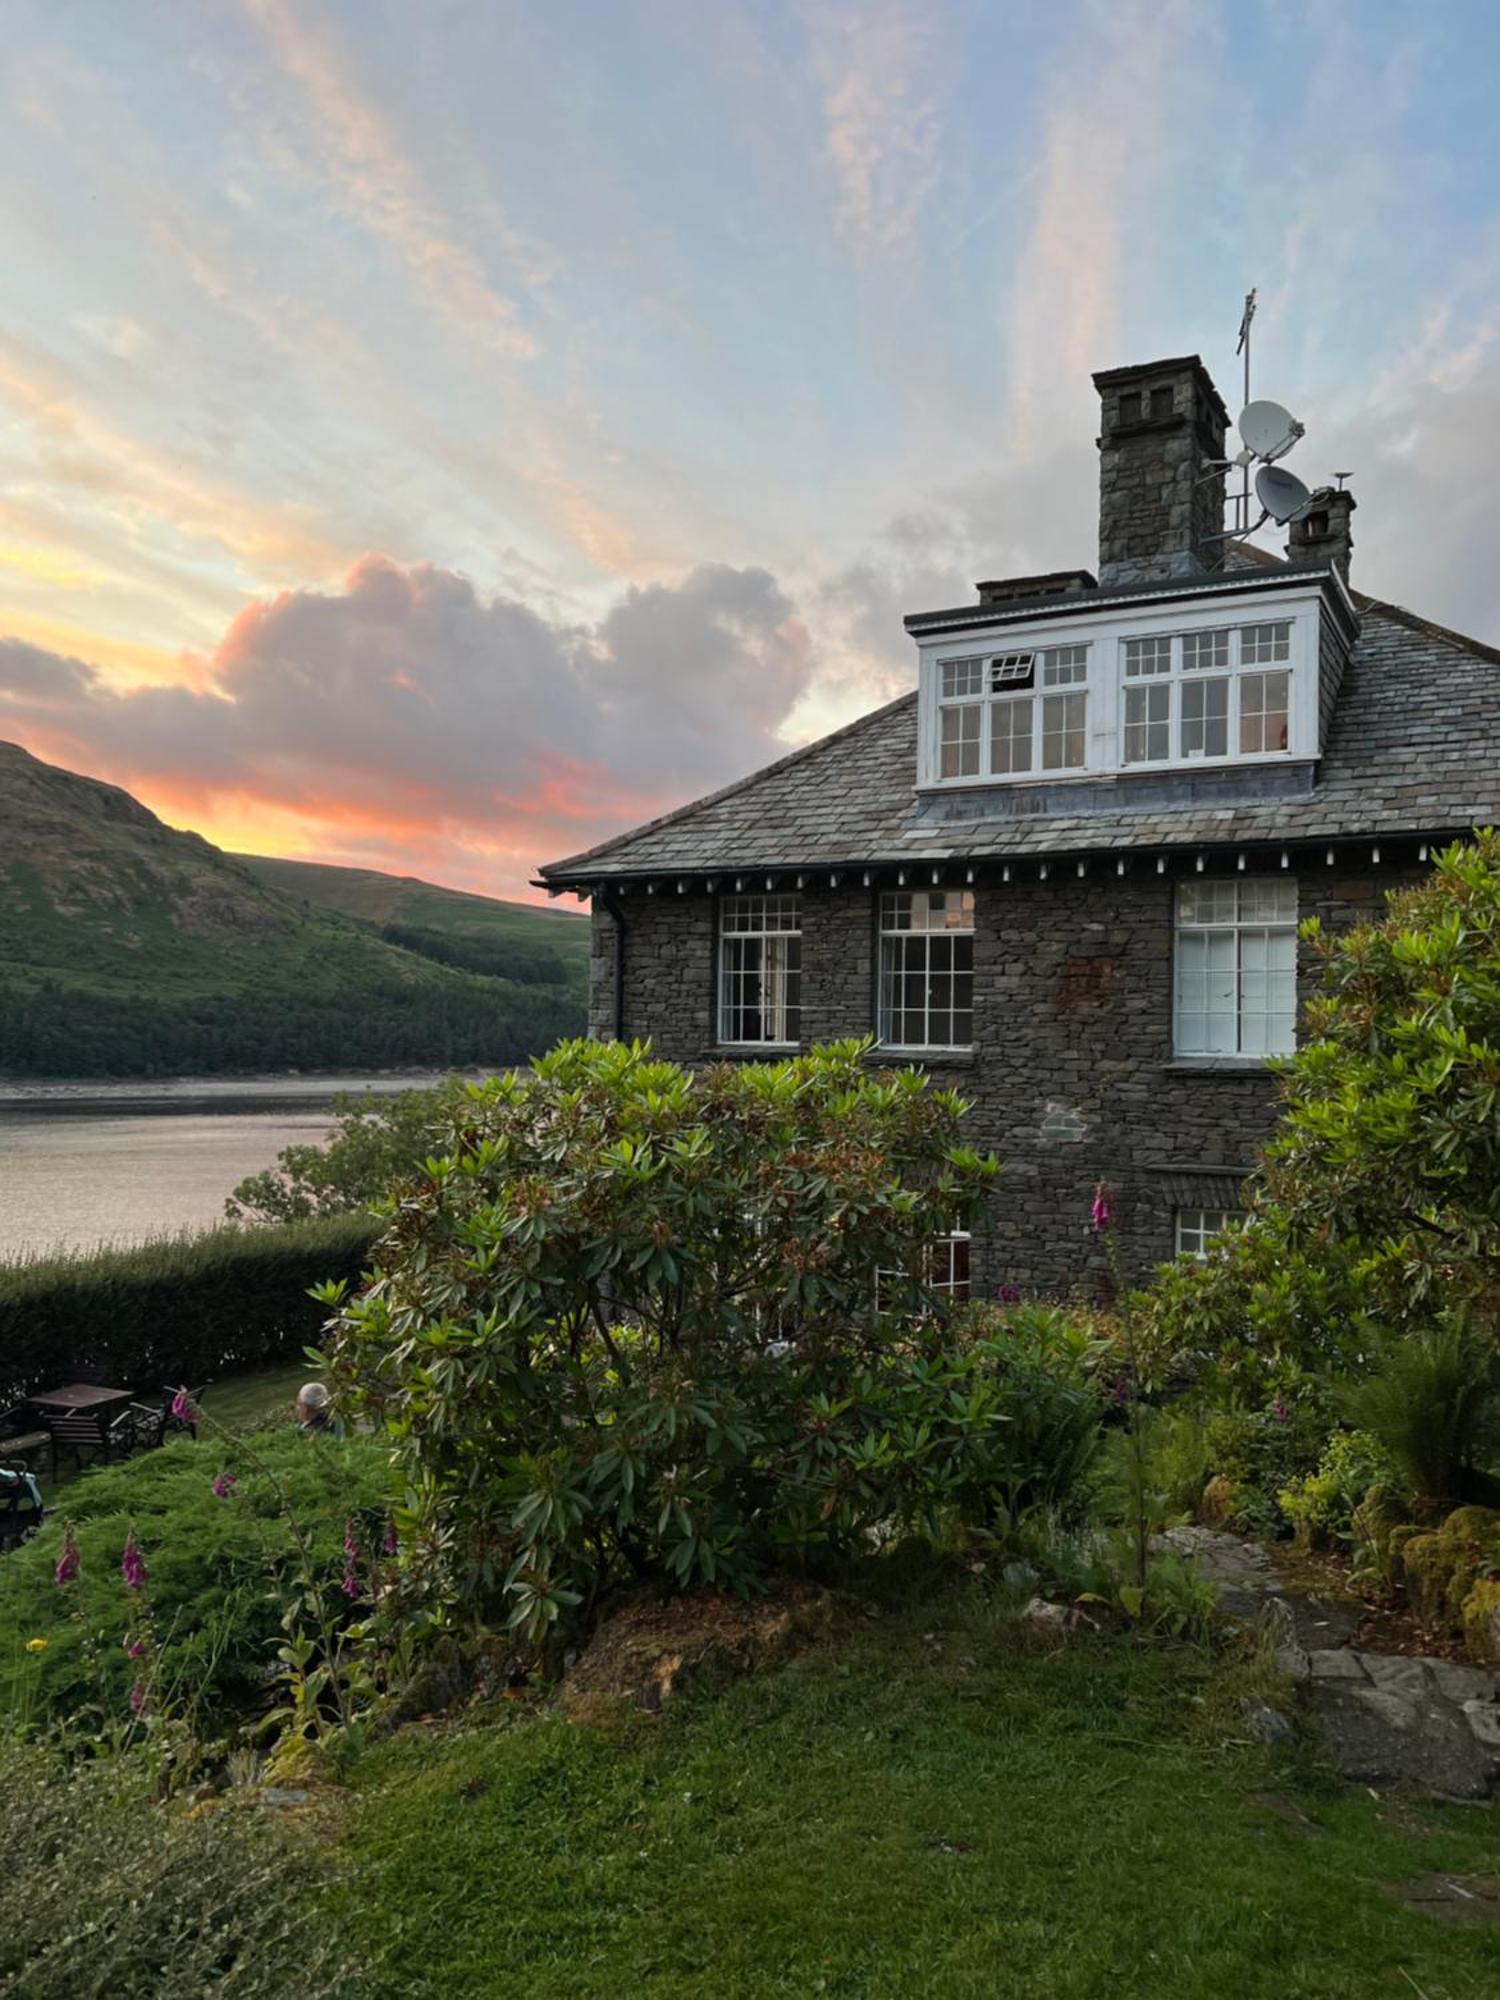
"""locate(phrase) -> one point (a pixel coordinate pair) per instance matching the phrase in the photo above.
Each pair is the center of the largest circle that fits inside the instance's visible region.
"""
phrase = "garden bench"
(154, 1420)
(21, 1436)
(102, 1423)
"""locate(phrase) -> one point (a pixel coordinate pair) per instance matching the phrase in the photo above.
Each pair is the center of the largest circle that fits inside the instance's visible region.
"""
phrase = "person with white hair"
(312, 1407)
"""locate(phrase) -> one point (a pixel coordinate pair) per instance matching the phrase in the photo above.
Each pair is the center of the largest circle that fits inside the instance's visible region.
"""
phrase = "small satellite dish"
(1268, 430)
(1282, 494)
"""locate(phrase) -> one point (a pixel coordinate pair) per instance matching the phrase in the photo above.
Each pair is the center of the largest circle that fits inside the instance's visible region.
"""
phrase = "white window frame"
(1238, 928)
(780, 944)
(942, 1256)
(893, 933)
(974, 691)
(1104, 632)
(1164, 672)
(1196, 1229)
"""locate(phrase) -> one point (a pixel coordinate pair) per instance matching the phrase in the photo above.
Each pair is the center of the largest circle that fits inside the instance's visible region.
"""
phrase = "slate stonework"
(1073, 1079)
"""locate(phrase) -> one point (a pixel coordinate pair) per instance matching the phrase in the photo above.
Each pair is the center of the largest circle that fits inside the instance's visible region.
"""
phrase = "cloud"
(382, 188)
(882, 124)
(406, 705)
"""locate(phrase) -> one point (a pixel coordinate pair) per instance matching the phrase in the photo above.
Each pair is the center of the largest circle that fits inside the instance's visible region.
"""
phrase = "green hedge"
(182, 1309)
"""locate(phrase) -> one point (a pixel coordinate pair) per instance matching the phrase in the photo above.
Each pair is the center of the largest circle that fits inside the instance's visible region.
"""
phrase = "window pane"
(1010, 736)
(927, 910)
(961, 677)
(1205, 718)
(1235, 968)
(1263, 712)
(1261, 645)
(1202, 651)
(1065, 666)
(1144, 657)
(1147, 724)
(1063, 719)
(960, 729)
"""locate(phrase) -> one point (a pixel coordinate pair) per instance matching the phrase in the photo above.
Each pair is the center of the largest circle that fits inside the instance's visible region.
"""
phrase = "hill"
(477, 933)
(128, 948)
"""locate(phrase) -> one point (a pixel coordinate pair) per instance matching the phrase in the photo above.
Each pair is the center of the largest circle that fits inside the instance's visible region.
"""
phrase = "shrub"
(183, 1309)
(213, 1615)
(1432, 1404)
(105, 1892)
(630, 1325)
(1322, 1504)
(375, 1142)
(1262, 1452)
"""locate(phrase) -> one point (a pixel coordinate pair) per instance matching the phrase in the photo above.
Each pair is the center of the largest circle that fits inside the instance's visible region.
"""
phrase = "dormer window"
(1130, 687)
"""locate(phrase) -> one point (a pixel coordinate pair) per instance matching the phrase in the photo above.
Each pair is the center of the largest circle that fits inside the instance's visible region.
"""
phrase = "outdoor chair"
(20, 1504)
(78, 1431)
(154, 1422)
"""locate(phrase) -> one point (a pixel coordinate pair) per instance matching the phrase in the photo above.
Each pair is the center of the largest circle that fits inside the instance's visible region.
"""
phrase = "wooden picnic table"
(78, 1396)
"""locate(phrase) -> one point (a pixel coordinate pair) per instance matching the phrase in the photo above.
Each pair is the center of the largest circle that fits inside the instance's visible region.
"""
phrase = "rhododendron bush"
(629, 1325)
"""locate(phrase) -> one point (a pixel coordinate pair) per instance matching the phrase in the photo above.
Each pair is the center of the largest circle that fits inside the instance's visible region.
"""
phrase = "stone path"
(1386, 1718)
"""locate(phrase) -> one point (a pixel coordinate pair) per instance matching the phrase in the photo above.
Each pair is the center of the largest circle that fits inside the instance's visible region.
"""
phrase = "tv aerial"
(1267, 433)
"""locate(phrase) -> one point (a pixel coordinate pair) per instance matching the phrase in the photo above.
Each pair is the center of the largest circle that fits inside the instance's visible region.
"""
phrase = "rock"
(1018, 1575)
(284, 1795)
(1044, 1617)
(1396, 1674)
(1451, 1899)
(1377, 1737)
(1441, 1569)
(1484, 1720)
(1456, 1683)
(1267, 1724)
(1335, 1664)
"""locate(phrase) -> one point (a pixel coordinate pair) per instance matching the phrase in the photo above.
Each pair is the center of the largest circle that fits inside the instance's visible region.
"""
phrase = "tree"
(377, 1141)
(628, 1324)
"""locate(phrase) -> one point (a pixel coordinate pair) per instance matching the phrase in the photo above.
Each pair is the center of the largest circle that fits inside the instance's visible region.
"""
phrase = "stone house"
(1065, 874)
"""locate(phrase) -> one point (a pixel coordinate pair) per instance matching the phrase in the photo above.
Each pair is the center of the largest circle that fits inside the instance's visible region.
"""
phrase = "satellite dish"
(1282, 494)
(1268, 430)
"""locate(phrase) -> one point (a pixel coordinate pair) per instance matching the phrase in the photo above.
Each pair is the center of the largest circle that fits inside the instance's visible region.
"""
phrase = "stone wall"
(1072, 1079)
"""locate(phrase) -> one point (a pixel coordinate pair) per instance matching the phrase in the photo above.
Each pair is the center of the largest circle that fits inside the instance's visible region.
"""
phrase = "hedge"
(181, 1309)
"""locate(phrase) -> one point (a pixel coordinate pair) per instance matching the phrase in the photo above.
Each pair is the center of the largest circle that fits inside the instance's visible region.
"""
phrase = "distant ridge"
(130, 949)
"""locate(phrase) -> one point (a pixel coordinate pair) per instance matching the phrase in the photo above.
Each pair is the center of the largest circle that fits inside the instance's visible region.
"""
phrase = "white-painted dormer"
(1184, 680)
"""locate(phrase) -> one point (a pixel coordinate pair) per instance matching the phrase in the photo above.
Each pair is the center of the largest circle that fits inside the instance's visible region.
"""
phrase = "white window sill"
(1221, 1065)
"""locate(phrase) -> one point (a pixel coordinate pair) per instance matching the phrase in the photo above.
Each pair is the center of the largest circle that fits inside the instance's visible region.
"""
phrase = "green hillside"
(477, 933)
(130, 949)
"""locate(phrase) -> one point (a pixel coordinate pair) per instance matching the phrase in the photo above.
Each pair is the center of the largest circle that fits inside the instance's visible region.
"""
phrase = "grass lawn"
(924, 1806)
(245, 1402)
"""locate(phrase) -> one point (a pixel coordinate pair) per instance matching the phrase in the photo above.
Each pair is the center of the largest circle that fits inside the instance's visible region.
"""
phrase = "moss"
(1379, 1533)
(1482, 1621)
(1440, 1568)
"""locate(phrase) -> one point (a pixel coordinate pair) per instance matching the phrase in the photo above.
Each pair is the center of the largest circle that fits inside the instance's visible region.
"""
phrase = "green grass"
(884, 1820)
(247, 1402)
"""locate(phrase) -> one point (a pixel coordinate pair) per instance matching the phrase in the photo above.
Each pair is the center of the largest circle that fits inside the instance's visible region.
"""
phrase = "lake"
(84, 1164)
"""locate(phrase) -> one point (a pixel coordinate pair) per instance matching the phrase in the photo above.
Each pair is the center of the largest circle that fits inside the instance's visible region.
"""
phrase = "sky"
(439, 434)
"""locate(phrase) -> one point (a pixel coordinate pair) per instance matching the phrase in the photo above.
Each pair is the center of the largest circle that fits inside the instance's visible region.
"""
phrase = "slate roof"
(1413, 748)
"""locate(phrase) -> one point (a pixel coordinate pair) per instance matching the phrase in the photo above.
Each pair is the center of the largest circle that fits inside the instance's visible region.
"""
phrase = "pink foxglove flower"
(221, 1486)
(389, 1546)
(1101, 1211)
(135, 1646)
(138, 1698)
(69, 1562)
(133, 1564)
(183, 1408)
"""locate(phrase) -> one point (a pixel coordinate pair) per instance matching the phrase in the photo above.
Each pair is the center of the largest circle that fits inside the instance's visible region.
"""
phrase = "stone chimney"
(1160, 507)
(1324, 533)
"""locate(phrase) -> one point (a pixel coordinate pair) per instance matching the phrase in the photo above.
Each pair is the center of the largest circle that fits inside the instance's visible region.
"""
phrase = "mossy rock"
(1440, 1568)
(1380, 1533)
(1482, 1622)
